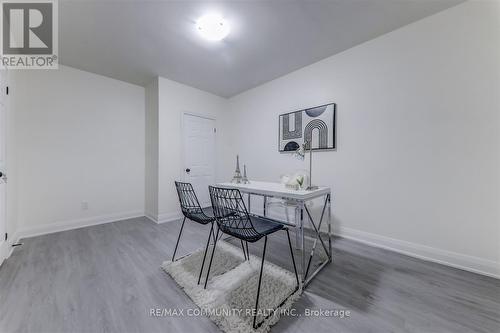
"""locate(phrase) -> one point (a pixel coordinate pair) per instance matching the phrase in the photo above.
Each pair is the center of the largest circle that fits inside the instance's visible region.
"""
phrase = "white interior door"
(3, 178)
(199, 155)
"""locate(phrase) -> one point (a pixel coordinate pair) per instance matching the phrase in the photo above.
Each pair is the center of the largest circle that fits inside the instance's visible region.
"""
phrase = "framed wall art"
(315, 126)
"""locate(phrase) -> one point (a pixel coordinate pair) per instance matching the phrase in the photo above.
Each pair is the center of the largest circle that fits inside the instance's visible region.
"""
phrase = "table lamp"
(300, 153)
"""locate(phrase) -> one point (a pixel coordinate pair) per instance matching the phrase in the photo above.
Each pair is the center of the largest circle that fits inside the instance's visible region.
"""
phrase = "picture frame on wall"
(316, 125)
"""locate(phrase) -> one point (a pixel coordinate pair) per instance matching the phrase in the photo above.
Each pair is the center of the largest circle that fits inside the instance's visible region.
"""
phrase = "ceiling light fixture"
(212, 27)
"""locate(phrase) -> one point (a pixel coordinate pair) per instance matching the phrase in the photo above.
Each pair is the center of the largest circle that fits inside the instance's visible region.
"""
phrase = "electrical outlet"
(85, 205)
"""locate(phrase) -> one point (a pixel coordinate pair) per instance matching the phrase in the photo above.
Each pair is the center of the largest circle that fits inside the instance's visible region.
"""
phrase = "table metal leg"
(300, 211)
(249, 201)
(302, 249)
(318, 229)
(297, 229)
(328, 250)
(330, 254)
(265, 204)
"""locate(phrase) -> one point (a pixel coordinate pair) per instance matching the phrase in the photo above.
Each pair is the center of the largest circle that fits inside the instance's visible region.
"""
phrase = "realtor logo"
(29, 34)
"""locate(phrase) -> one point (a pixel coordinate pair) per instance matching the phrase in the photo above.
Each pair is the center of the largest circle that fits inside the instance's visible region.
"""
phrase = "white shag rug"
(232, 287)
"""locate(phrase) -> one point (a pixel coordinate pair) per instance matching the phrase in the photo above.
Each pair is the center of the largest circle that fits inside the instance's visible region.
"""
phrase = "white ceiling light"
(212, 27)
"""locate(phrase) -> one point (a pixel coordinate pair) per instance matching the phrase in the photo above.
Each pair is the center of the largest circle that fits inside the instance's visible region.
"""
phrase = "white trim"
(168, 217)
(75, 224)
(4, 251)
(424, 252)
(448, 258)
(199, 115)
(4, 131)
(164, 218)
(152, 217)
(12, 240)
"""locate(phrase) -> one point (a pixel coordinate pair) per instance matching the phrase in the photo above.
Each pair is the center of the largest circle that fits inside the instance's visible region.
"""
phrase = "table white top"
(277, 190)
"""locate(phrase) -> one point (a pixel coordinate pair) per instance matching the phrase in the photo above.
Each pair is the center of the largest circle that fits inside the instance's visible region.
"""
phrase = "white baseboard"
(75, 224)
(453, 259)
(14, 239)
(169, 217)
(164, 218)
(152, 217)
(4, 251)
(448, 258)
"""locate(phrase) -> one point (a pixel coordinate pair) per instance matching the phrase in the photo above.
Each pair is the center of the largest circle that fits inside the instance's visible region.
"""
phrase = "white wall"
(417, 165)
(79, 137)
(174, 99)
(11, 170)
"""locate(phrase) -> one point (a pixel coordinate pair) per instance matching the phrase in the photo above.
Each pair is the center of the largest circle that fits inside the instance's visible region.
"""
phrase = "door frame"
(5, 248)
(183, 131)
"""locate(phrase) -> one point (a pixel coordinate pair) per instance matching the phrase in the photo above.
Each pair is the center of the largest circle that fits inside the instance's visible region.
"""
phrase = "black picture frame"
(330, 145)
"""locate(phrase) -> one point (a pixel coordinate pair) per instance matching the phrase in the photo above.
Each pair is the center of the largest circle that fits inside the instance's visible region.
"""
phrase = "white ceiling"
(135, 41)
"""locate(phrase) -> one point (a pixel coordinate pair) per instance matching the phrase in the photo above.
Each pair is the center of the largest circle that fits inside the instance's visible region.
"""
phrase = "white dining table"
(299, 198)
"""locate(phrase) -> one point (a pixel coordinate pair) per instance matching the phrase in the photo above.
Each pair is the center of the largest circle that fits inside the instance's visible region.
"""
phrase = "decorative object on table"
(234, 287)
(296, 128)
(237, 173)
(292, 184)
(245, 180)
(300, 180)
(304, 174)
(296, 182)
(284, 179)
(300, 153)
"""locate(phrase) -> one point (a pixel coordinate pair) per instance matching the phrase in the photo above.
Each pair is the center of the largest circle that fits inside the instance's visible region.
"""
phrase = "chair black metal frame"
(191, 209)
(233, 219)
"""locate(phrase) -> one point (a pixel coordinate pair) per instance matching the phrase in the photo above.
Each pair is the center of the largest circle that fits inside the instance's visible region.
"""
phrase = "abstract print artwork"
(314, 125)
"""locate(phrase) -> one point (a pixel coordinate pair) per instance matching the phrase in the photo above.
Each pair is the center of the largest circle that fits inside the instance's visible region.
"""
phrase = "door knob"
(188, 170)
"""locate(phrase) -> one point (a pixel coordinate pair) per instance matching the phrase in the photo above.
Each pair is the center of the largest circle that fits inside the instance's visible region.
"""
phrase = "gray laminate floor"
(107, 278)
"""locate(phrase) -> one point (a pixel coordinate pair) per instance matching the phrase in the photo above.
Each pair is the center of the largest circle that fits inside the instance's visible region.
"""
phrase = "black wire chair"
(233, 219)
(192, 210)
